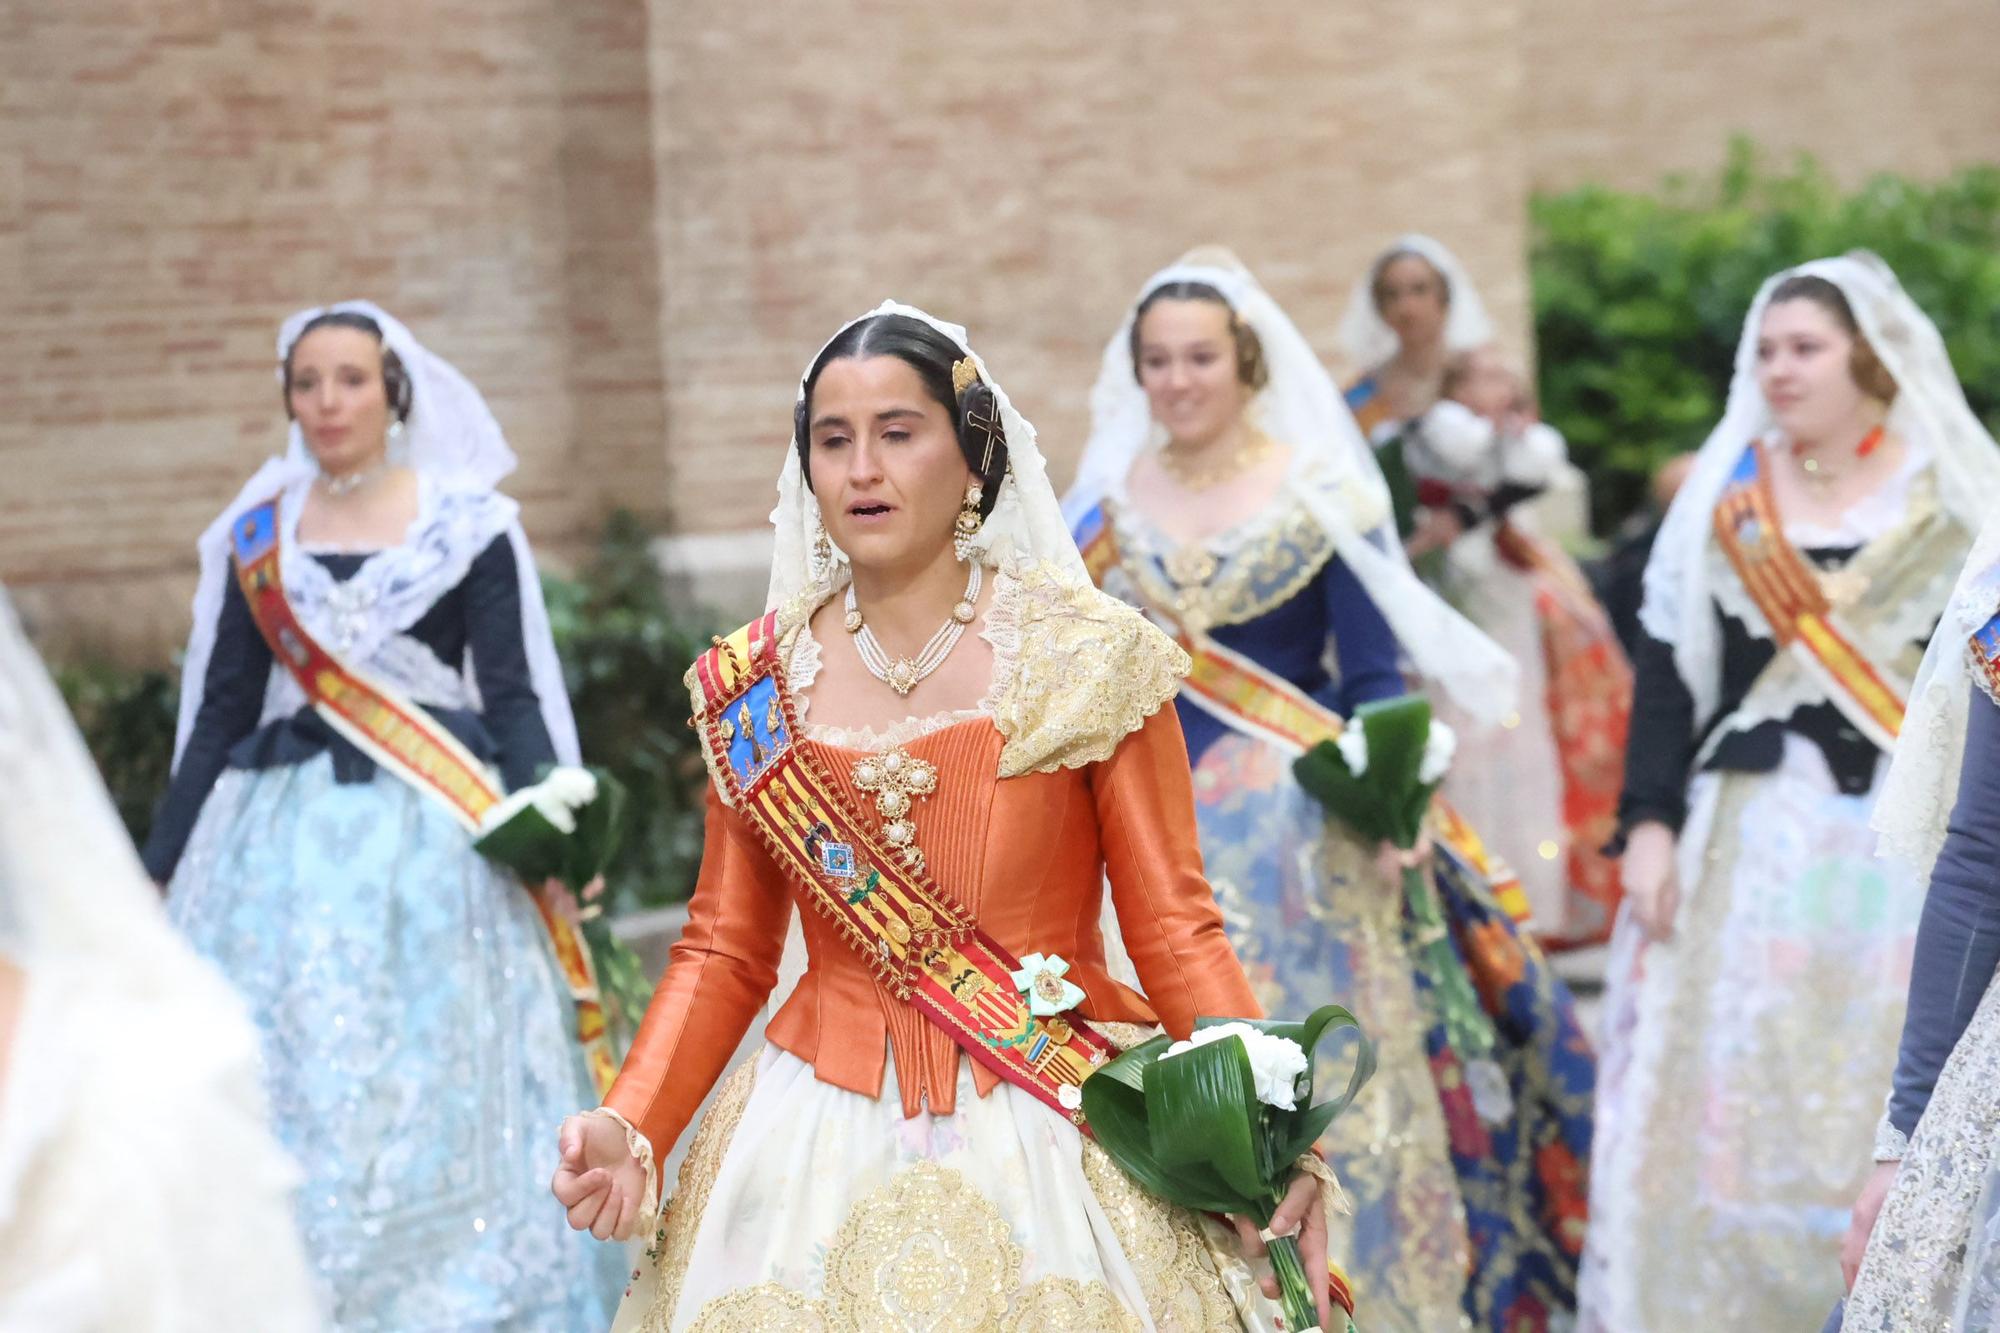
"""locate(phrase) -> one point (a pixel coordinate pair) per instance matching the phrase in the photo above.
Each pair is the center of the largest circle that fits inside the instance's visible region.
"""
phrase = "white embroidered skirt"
(1745, 1060)
(805, 1206)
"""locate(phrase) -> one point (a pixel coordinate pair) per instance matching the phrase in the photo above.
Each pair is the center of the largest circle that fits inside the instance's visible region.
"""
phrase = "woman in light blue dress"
(417, 1038)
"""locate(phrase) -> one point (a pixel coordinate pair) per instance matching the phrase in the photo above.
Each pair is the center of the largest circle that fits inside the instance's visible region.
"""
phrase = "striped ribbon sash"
(1247, 698)
(405, 740)
(1789, 594)
(924, 948)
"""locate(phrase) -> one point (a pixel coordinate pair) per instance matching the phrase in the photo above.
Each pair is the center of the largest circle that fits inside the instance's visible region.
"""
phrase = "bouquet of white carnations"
(1379, 778)
(1216, 1123)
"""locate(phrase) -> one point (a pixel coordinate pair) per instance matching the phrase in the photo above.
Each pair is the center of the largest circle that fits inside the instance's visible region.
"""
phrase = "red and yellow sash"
(1789, 594)
(1247, 698)
(405, 740)
(924, 948)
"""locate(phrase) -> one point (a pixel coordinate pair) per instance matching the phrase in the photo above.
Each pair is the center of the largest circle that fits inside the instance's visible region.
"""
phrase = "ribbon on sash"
(1801, 617)
(393, 731)
(1247, 698)
(923, 947)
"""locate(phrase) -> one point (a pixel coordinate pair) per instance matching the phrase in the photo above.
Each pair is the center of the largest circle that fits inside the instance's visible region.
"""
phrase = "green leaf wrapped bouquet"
(1379, 778)
(1215, 1124)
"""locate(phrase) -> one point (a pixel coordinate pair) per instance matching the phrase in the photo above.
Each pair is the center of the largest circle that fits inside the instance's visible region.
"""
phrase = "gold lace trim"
(1249, 570)
(1166, 1248)
(928, 1253)
(673, 1242)
(1086, 672)
(1064, 1302)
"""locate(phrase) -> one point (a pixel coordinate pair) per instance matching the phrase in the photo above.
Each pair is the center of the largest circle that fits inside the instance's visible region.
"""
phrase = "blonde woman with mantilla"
(939, 728)
(1758, 972)
(1226, 491)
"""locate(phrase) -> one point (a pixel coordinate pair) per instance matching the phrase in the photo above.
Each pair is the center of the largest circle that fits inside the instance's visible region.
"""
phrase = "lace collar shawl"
(1247, 570)
(1075, 671)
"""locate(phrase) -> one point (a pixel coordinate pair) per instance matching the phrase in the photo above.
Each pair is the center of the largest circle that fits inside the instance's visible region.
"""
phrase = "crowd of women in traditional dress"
(972, 677)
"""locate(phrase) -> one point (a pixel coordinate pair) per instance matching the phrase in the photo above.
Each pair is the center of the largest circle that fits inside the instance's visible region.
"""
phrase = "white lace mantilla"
(365, 619)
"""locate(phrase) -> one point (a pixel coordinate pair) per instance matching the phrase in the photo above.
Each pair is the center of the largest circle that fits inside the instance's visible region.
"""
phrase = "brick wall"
(1624, 94)
(1024, 178)
(181, 175)
(631, 223)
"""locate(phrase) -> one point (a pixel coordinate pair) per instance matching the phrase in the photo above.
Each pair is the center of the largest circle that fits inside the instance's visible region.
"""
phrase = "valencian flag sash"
(1246, 697)
(923, 947)
(1789, 594)
(400, 736)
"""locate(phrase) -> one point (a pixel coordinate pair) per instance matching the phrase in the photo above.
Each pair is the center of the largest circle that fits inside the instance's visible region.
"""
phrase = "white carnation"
(1439, 747)
(1275, 1062)
(1353, 745)
(557, 797)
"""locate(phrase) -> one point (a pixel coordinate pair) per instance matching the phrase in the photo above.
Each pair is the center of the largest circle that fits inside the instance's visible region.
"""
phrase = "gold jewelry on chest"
(1205, 474)
(898, 780)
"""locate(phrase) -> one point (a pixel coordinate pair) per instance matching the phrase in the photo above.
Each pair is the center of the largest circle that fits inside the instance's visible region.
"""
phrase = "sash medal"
(925, 948)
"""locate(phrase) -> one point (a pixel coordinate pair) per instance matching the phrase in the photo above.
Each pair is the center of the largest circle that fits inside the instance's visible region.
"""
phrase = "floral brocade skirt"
(416, 1045)
(1746, 1059)
(1542, 787)
(1466, 1176)
(804, 1206)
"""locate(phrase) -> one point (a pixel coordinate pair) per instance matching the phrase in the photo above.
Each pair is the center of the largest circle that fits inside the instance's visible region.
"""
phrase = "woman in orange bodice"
(962, 700)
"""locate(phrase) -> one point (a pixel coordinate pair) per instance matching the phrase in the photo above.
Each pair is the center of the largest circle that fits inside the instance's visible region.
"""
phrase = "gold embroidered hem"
(992, 1218)
(656, 1283)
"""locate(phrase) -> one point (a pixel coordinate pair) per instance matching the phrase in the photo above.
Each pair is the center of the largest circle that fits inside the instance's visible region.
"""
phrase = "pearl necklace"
(341, 486)
(903, 674)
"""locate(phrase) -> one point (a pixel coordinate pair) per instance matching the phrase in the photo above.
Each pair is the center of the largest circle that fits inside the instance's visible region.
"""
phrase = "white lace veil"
(1930, 412)
(71, 887)
(1366, 337)
(1025, 527)
(1026, 524)
(452, 437)
(1915, 806)
(1303, 407)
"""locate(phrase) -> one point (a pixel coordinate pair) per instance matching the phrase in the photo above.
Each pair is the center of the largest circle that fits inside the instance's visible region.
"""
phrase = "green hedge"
(1639, 298)
(624, 651)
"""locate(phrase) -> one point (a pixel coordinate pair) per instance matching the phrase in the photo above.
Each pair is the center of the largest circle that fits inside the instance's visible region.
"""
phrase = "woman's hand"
(599, 1180)
(1435, 530)
(1652, 884)
(564, 903)
(1861, 1222)
(1299, 1212)
(1391, 861)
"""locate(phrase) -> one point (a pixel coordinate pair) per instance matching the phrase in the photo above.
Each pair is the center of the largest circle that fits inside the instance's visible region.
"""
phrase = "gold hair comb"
(963, 375)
